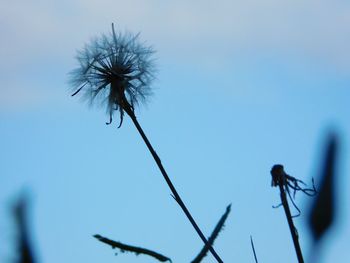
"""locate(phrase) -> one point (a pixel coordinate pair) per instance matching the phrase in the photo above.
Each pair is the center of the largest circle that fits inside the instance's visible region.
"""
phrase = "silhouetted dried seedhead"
(115, 70)
(279, 176)
(118, 71)
(286, 182)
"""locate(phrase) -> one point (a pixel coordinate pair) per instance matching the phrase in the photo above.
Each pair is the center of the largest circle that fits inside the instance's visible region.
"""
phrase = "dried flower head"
(280, 177)
(115, 70)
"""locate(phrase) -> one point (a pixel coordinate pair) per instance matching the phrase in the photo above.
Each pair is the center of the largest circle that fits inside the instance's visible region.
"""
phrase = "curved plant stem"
(170, 184)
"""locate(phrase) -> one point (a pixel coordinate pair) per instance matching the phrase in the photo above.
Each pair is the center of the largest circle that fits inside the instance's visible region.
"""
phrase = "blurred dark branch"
(322, 213)
(253, 248)
(24, 246)
(213, 236)
(133, 249)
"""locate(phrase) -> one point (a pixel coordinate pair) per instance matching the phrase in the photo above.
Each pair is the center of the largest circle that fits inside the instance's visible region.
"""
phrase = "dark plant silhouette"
(290, 183)
(133, 249)
(323, 209)
(253, 248)
(219, 226)
(138, 250)
(286, 182)
(117, 70)
(25, 251)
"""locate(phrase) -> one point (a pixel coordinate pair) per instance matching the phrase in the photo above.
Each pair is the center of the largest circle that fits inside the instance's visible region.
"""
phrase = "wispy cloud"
(212, 31)
(314, 28)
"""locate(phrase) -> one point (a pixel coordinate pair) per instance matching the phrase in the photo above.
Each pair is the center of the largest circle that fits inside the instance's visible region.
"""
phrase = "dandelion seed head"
(115, 71)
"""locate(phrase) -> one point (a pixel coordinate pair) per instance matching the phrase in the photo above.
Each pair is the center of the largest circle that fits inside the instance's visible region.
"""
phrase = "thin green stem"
(171, 186)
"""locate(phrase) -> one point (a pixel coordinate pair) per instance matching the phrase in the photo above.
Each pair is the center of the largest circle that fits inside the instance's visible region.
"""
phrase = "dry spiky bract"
(115, 70)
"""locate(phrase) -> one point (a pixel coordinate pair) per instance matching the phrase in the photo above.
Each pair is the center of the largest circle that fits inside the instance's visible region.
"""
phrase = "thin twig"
(213, 236)
(292, 228)
(279, 177)
(253, 248)
(176, 196)
(133, 249)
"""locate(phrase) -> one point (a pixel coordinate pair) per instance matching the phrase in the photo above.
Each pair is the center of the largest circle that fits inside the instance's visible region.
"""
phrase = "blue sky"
(240, 86)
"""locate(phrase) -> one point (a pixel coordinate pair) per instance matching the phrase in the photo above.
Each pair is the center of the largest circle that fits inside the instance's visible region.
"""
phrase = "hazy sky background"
(241, 85)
